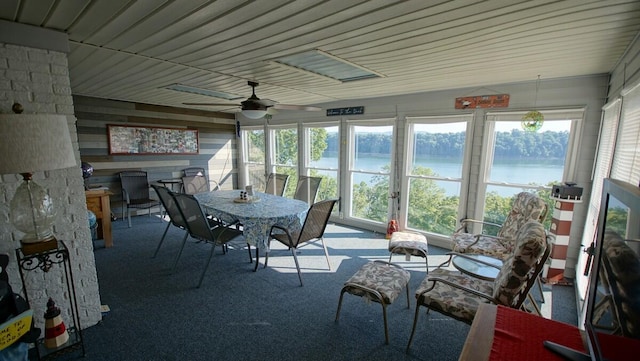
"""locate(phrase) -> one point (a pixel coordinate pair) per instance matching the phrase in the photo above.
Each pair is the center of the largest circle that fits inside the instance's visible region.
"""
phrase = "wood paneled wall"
(216, 133)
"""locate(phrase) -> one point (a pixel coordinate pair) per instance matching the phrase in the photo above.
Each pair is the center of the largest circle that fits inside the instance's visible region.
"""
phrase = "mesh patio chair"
(192, 171)
(307, 188)
(458, 295)
(195, 184)
(276, 184)
(313, 229)
(199, 227)
(135, 192)
(175, 217)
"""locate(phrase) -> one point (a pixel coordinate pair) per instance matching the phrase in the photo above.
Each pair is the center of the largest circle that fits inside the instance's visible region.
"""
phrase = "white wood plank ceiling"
(129, 50)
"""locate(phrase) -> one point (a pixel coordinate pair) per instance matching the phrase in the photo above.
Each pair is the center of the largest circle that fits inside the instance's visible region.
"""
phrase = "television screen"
(613, 308)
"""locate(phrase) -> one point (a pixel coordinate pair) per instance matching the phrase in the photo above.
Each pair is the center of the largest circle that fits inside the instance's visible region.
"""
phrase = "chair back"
(135, 185)
(193, 171)
(307, 188)
(170, 205)
(520, 271)
(316, 221)
(526, 207)
(195, 218)
(195, 184)
(276, 184)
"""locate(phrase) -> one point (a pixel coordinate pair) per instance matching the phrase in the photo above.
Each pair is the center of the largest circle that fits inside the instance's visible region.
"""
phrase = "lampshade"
(254, 114)
(31, 143)
(34, 142)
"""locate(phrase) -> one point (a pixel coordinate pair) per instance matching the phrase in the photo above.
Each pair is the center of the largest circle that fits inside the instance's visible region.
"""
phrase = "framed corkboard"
(127, 139)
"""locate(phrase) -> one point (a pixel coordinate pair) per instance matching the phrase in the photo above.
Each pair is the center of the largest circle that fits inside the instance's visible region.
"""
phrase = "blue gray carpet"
(159, 314)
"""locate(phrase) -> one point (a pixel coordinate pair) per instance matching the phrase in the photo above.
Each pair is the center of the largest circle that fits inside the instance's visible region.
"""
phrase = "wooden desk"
(98, 202)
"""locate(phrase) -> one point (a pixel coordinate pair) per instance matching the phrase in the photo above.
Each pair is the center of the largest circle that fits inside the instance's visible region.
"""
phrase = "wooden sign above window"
(483, 101)
(126, 139)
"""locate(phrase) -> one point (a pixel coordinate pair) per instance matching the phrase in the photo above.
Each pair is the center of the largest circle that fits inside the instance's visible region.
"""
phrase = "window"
(253, 147)
(515, 160)
(369, 170)
(322, 157)
(285, 154)
(434, 181)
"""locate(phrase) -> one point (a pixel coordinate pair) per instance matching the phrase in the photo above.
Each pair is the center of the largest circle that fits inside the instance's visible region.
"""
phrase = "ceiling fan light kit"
(254, 114)
(254, 108)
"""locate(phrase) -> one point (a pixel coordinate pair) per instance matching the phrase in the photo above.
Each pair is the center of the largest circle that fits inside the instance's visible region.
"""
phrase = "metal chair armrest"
(435, 279)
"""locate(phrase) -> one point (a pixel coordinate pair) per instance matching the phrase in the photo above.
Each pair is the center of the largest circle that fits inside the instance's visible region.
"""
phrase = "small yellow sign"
(14, 328)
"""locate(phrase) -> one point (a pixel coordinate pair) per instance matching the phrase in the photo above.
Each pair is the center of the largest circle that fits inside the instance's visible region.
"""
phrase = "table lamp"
(33, 143)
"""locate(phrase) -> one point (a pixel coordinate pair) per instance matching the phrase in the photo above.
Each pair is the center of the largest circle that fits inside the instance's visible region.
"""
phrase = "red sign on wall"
(483, 101)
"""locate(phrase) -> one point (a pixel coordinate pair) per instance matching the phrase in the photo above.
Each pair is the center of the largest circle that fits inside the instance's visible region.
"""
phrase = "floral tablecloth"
(257, 217)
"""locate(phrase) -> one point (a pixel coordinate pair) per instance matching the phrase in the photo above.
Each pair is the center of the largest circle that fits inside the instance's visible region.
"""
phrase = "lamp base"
(39, 247)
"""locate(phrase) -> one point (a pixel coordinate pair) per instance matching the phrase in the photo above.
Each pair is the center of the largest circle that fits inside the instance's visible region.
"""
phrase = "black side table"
(45, 261)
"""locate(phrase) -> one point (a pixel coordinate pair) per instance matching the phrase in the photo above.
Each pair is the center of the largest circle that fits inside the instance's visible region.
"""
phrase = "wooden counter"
(98, 202)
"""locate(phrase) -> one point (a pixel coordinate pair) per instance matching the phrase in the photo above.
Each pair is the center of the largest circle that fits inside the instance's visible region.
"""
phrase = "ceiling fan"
(256, 108)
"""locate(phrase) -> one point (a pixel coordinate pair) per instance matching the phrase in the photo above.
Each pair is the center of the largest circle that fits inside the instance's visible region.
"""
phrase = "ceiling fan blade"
(215, 104)
(297, 107)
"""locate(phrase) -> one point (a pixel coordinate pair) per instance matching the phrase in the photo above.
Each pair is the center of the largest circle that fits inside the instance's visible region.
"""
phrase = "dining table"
(257, 214)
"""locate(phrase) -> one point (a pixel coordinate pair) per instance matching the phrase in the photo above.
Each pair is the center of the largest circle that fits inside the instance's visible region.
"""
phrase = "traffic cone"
(55, 333)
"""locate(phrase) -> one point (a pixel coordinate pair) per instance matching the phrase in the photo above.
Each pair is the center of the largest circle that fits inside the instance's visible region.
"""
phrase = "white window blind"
(626, 159)
(604, 156)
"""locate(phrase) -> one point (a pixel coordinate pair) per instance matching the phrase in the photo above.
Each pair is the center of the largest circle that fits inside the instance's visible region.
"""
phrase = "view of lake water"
(512, 171)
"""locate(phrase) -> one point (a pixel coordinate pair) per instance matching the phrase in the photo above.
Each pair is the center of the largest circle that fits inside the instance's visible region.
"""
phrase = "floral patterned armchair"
(459, 295)
(526, 206)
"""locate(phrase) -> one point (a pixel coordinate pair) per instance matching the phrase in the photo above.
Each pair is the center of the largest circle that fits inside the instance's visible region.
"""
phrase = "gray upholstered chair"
(458, 294)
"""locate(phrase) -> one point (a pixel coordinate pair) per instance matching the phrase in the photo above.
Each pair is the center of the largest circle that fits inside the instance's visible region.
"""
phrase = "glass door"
(369, 172)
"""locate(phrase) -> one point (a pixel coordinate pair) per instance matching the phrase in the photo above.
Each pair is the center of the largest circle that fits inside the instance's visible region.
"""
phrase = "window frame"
(575, 115)
(346, 179)
(406, 171)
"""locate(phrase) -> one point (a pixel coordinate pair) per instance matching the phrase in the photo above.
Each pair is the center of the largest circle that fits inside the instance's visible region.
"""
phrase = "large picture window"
(518, 160)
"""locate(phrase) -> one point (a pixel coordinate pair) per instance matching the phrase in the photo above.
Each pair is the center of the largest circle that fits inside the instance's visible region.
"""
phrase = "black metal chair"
(276, 183)
(199, 227)
(313, 229)
(175, 217)
(307, 188)
(135, 192)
